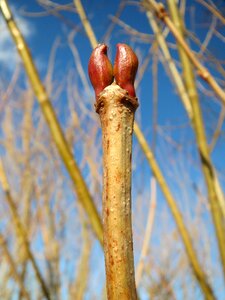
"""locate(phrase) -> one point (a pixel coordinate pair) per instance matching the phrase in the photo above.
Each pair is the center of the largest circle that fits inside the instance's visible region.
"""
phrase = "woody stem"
(116, 110)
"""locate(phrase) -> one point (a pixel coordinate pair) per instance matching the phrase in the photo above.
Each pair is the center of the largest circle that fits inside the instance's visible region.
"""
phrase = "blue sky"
(41, 32)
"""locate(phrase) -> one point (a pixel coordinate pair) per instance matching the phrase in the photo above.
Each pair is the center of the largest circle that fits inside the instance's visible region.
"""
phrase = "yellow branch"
(215, 195)
(51, 119)
(171, 65)
(13, 268)
(196, 267)
(86, 24)
(22, 233)
(161, 13)
(213, 10)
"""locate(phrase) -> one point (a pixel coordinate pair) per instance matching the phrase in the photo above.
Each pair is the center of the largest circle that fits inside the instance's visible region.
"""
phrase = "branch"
(172, 67)
(86, 24)
(161, 13)
(13, 268)
(213, 10)
(148, 231)
(196, 267)
(22, 233)
(51, 119)
(216, 198)
(116, 112)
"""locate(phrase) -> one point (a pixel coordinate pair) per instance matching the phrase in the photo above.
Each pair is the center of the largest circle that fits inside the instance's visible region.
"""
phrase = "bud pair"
(101, 72)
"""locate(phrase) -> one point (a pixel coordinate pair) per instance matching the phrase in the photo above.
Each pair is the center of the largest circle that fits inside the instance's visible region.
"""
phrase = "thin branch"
(209, 56)
(196, 267)
(153, 185)
(144, 65)
(216, 198)
(217, 131)
(80, 284)
(21, 230)
(86, 24)
(10, 88)
(172, 67)
(51, 118)
(213, 10)
(161, 13)
(55, 10)
(208, 37)
(13, 268)
(130, 30)
(117, 15)
(155, 96)
(77, 61)
(148, 232)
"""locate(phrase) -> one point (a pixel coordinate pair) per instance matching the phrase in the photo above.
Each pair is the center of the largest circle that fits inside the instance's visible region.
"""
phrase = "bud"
(100, 69)
(125, 68)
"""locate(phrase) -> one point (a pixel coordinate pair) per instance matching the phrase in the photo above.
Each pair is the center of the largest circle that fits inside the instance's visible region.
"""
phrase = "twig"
(209, 56)
(148, 232)
(80, 284)
(217, 131)
(13, 268)
(22, 231)
(155, 95)
(161, 13)
(153, 183)
(77, 61)
(85, 22)
(112, 25)
(50, 115)
(130, 30)
(208, 37)
(116, 112)
(196, 267)
(216, 198)
(144, 65)
(214, 11)
(10, 88)
(172, 67)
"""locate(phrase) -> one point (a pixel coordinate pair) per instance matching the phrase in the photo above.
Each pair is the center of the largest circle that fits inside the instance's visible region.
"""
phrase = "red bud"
(125, 68)
(100, 69)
